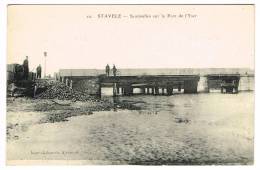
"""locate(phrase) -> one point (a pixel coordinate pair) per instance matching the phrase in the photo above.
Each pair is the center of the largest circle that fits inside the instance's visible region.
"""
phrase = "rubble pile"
(58, 90)
(41, 83)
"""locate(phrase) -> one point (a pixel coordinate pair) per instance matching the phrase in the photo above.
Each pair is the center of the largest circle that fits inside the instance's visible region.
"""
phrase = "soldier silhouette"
(26, 68)
(39, 71)
(114, 70)
(107, 70)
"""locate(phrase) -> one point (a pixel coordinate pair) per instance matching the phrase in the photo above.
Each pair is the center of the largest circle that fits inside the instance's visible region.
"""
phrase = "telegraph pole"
(45, 55)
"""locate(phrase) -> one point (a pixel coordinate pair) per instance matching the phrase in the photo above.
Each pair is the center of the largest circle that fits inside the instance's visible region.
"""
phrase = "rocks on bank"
(58, 90)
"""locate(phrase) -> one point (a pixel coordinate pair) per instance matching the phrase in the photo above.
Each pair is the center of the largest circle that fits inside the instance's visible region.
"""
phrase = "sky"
(217, 36)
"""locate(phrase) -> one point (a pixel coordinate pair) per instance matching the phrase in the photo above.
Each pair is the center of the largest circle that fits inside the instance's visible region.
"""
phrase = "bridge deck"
(223, 76)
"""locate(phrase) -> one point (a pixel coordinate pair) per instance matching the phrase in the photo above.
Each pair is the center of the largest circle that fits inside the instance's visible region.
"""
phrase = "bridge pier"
(122, 90)
(246, 83)
(142, 90)
(147, 90)
(153, 90)
(162, 91)
(169, 90)
(203, 84)
(156, 90)
(236, 90)
(117, 89)
(114, 89)
(128, 90)
(190, 86)
(179, 87)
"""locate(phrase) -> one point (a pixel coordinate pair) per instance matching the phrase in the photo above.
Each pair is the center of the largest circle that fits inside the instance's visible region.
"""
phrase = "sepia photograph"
(156, 84)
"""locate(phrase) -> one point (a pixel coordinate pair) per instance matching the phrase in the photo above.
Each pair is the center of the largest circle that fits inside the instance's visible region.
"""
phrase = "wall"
(246, 83)
(88, 85)
(203, 84)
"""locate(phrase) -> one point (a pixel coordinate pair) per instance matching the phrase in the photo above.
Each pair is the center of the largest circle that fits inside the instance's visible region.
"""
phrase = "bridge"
(226, 82)
(159, 81)
(159, 84)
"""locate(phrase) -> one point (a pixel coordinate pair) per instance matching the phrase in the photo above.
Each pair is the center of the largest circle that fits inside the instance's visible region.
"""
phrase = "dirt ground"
(24, 112)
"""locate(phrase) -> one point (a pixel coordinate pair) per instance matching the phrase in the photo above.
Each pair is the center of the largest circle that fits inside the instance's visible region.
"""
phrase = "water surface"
(210, 128)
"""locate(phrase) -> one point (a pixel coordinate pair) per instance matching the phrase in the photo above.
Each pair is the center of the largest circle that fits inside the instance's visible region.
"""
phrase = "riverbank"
(23, 112)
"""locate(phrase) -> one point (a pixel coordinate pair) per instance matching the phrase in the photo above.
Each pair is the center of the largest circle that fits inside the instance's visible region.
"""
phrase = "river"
(206, 128)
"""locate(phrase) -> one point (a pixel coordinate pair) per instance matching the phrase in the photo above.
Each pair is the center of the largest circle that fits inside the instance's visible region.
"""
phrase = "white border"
(3, 24)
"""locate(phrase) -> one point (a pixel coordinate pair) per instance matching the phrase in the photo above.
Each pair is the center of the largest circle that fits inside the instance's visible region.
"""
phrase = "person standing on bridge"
(114, 70)
(107, 70)
(39, 71)
(26, 68)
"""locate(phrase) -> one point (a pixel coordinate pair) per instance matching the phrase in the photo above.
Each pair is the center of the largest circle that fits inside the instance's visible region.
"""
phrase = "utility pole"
(45, 55)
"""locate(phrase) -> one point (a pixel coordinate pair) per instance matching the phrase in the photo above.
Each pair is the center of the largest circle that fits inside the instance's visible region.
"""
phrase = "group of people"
(39, 69)
(114, 70)
(26, 69)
